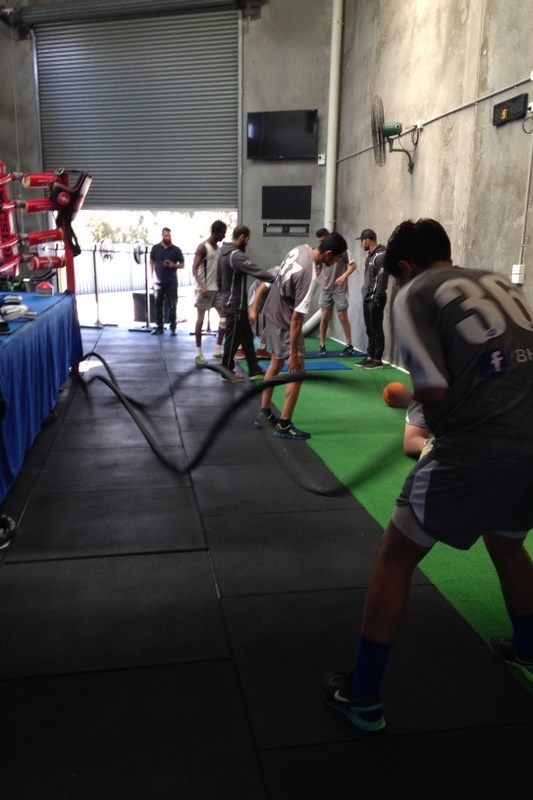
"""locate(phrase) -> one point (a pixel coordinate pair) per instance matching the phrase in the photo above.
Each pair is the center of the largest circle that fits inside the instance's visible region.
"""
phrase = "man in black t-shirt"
(165, 259)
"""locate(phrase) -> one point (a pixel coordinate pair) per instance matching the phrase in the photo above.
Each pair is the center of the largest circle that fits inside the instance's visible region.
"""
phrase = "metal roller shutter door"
(150, 107)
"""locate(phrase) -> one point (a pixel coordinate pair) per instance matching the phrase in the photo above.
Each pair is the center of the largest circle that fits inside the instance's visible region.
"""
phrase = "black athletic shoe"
(366, 360)
(373, 364)
(233, 377)
(7, 528)
(366, 714)
(290, 432)
(348, 351)
(266, 419)
(258, 376)
(504, 648)
(322, 350)
(157, 332)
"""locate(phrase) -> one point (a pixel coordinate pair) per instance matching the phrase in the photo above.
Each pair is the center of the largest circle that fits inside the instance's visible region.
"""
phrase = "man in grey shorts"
(284, 310)
(207, 293)
(466, 337)
(334, 294)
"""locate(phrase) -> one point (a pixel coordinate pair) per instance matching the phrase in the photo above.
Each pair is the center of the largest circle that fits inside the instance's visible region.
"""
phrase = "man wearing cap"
(374, 299)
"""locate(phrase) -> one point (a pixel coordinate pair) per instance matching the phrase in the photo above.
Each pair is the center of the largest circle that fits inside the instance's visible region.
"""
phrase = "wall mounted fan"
(383, 133)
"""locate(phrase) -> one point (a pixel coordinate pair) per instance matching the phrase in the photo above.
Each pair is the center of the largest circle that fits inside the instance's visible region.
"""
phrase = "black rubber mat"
(108, 613)
(99, 469)
(464, 763)
(142, 734)
(304, 551)
(266, 489)
(166, 636)
(105, 523)
(118, 432)
(284, 643)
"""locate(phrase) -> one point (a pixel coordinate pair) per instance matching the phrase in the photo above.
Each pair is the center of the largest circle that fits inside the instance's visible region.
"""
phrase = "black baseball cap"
(368, 233)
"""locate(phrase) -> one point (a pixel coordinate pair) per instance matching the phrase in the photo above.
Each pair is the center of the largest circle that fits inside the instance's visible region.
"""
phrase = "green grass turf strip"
(359, 437)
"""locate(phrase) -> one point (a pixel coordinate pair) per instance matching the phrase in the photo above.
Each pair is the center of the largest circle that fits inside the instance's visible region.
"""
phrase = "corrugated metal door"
(149, 107)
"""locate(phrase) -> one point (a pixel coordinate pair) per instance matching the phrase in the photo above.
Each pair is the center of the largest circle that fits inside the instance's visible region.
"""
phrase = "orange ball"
(396, 395)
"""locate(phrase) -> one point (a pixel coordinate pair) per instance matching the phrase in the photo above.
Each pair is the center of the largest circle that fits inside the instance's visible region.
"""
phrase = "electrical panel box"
(509, 110)
(517, 274)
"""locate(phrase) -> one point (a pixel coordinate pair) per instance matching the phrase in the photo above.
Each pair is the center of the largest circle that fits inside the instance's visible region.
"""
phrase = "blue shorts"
(458, 504)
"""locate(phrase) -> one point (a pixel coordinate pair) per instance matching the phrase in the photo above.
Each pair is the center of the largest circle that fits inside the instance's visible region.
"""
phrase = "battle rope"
(294, 470)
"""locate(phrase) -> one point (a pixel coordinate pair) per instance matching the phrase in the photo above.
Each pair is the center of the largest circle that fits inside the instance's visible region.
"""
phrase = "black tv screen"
(279, 135)
(286, 202)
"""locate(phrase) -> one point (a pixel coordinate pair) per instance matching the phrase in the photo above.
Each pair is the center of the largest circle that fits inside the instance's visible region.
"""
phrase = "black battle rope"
(293, 470)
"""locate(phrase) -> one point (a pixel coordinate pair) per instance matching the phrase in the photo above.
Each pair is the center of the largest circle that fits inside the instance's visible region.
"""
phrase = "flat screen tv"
(286, 202)
(282, 135)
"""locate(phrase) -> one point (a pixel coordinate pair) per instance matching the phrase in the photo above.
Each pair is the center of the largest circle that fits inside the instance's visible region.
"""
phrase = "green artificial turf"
(359, 437)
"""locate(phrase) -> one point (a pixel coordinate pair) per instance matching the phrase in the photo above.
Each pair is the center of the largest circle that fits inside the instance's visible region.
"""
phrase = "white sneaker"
(200, 359)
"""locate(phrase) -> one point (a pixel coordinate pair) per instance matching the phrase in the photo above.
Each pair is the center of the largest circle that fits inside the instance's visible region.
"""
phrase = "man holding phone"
(165, 259)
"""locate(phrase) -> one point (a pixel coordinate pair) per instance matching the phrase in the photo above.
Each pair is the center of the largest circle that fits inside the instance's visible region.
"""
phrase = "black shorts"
(458, 504)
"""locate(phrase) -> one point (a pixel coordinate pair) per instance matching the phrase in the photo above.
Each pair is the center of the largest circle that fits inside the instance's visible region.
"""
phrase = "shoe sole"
(526, 670)
(280, 435)
(356, 720)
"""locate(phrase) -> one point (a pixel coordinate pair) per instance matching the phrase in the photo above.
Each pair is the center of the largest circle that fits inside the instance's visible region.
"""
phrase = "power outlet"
(321, 159)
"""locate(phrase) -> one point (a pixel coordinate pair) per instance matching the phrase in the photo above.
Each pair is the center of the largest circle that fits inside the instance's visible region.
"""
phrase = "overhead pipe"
(337, 24)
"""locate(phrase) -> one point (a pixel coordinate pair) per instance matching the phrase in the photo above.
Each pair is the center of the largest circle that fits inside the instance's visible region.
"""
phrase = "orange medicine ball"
(396, 395)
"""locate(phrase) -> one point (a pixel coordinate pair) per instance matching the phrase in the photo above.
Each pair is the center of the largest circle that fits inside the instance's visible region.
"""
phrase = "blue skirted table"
(35, 360)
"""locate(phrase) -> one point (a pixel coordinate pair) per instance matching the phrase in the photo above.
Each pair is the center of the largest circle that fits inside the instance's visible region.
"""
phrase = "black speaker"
(139, 307)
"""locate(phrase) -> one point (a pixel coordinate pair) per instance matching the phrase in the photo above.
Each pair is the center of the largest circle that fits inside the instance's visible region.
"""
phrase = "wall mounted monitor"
(282, 135)
(286, 202)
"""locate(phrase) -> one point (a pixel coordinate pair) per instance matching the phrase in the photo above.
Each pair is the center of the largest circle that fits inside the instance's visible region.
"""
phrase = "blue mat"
(333, 354)
(314, 366)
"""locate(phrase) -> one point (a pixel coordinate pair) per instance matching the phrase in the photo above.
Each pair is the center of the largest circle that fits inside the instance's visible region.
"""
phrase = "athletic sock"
(370, 666)
(523, 636)
(284, 423)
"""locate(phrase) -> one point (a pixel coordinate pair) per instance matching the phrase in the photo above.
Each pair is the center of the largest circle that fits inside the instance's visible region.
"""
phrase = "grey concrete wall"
(434, 63)
(286, 57)
(427, 61)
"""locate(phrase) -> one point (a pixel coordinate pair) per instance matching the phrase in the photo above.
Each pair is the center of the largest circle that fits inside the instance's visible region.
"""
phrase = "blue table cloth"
(35, 360)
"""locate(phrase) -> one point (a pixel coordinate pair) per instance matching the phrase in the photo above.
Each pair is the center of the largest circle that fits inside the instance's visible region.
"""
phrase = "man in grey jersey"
(466, 337)
(285, 309)
(334, 294)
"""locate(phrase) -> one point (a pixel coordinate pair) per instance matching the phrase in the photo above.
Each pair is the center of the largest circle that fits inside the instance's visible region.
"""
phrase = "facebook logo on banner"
(492, 364)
